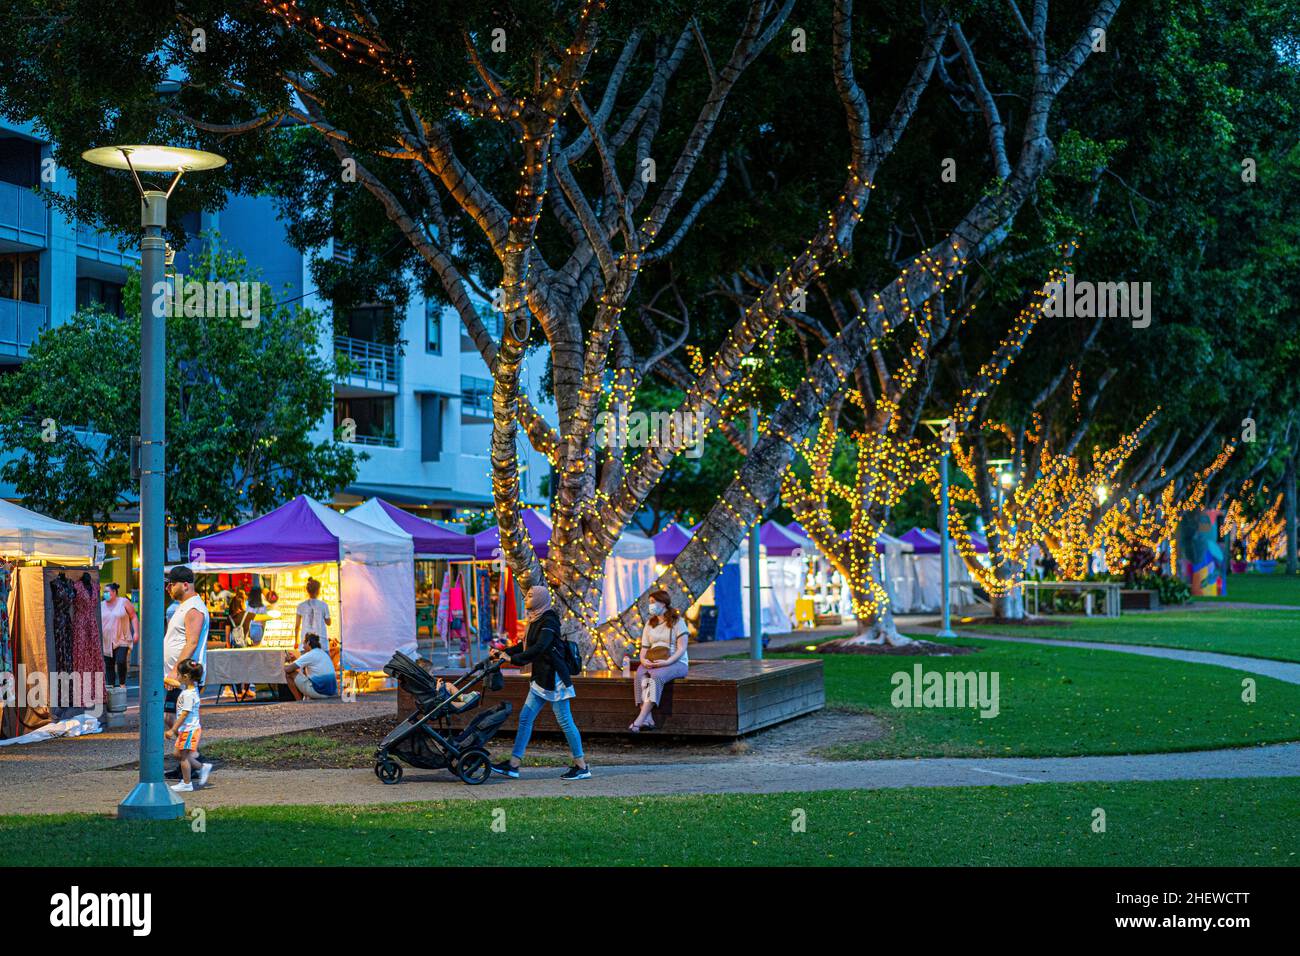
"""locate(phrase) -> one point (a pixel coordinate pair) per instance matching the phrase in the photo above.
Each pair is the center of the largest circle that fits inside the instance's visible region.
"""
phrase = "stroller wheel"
(389, 771)
(474, 767)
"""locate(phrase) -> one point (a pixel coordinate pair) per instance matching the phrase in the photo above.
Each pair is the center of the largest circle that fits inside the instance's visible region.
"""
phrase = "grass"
(1270, 634)
(1063, 701)
(1279, 588)
(1253, 822)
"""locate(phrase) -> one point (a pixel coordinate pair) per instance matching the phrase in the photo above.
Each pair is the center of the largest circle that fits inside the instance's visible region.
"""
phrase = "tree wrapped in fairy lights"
(1022, 509)
(889, 458)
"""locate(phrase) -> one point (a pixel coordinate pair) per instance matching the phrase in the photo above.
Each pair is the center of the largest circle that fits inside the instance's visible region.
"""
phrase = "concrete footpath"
(99, 791)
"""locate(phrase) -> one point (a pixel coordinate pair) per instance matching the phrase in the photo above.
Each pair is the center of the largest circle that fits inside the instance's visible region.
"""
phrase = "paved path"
(99, 791)
(56, 759)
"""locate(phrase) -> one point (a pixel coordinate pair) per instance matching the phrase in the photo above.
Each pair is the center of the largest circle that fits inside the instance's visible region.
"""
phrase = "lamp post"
(939, 427)
(152, 799)
(755, 556)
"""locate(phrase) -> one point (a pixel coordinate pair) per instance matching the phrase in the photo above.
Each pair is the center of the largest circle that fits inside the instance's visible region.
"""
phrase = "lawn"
(1168, 823)
(1271, 634)
(1063, 701)
(1261, 589)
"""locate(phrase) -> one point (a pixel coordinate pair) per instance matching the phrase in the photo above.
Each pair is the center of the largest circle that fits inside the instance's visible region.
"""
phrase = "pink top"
(115, 624)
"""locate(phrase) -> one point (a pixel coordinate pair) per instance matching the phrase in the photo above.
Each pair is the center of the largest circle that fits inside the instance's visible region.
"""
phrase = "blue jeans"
(528, 713)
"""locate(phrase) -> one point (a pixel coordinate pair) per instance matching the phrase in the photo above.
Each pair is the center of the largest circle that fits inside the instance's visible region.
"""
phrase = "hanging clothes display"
(6, 646)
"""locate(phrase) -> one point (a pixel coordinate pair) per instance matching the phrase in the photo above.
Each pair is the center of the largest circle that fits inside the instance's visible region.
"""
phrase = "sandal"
(634, 728)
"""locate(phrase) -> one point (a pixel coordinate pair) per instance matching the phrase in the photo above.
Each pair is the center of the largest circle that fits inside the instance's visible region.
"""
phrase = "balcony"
(21, 324)
(475, 399)
(375, 369)
(103, 247)
(23, 216)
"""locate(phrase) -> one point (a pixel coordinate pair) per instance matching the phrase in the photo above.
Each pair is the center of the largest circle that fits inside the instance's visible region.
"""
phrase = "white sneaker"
(204, 771)
(183, 787)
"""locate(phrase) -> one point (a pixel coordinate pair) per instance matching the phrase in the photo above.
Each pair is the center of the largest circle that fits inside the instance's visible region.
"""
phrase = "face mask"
(656, 608)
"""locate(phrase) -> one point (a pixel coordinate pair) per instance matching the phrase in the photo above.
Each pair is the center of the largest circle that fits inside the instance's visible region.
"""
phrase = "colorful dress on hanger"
(62, 597)
(6, 645)
(87, 650)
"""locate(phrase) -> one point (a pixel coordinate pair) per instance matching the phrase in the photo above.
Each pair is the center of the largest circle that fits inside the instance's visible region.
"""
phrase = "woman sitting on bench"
(663, 657)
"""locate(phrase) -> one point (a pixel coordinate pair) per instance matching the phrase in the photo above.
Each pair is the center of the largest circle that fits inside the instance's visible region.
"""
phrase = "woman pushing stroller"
(552, 684)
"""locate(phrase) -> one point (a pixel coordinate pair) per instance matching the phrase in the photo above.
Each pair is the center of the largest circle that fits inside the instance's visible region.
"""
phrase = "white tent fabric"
(28, 534)
(376, 589)
(629, 570)
(776, 577)
(927, 570)
(898, 573)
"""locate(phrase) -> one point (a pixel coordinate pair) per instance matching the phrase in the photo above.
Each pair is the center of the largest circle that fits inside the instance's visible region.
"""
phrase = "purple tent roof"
(670, 542)
(488, 541)
(779, 542)
(427, 537)
(926, 541)
(291, 534)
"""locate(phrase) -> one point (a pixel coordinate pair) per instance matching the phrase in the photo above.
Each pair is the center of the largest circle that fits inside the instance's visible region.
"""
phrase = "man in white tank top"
(186, 636)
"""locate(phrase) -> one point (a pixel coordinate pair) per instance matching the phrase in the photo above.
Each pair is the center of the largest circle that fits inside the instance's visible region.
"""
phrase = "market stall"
(366, 575)
(51, 655)
(928, 569)
(444, 562)
(629, 568)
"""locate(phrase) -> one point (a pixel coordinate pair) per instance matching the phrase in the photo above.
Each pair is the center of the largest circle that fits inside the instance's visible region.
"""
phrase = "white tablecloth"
(245, 665)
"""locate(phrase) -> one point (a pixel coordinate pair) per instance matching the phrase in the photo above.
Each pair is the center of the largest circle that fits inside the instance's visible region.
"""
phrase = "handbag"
(661, 652)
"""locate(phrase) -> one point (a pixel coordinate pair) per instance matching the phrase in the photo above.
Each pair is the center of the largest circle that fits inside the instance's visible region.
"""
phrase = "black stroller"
(416, 742)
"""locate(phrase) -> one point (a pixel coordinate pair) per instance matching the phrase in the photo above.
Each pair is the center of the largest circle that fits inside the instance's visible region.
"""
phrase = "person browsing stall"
(312, 674)
(313, 617)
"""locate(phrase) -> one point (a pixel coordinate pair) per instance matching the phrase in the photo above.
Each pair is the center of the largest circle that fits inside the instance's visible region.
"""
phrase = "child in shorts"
(187, 729)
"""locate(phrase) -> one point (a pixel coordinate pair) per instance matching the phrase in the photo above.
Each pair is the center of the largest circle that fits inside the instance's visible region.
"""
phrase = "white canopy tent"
(34, 537)
(629, 570)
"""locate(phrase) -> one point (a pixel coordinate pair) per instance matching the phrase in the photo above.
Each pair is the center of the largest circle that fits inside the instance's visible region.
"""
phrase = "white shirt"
(315, 615)
(315, 663)
(188, 704)
(174, 638)
(660, 635)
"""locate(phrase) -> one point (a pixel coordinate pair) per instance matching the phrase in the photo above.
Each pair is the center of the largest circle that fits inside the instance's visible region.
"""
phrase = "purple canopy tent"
(926, 541)
(670, 542)
(487, 543)
(780, 542)
(428, 539)
(376, 577)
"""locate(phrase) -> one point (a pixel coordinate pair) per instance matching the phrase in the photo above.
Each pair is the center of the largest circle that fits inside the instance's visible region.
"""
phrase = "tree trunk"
(1289, 489)
(1010, 604)
(875, 628)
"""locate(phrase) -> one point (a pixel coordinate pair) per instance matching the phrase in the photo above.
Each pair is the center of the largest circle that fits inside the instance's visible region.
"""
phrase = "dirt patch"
(918, 648)
(352, 745)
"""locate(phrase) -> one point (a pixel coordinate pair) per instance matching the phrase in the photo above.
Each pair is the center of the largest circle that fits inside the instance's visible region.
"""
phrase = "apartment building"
(418, 404)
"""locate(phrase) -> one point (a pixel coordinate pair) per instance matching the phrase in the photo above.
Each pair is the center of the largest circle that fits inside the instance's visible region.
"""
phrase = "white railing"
(372, 362)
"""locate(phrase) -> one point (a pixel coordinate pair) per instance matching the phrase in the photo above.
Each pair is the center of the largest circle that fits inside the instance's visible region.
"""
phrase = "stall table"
(244, 665)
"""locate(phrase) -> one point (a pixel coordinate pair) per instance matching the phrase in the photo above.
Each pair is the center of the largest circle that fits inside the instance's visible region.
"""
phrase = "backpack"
(567, 655)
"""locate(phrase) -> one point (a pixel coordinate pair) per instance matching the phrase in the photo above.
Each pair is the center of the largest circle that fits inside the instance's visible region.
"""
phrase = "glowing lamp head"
(153, 159)
(1007, 479)
(1102, 493)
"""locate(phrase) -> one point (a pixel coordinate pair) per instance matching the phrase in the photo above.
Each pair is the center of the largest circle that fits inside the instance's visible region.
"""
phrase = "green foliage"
(1172, 590)
(242, 403)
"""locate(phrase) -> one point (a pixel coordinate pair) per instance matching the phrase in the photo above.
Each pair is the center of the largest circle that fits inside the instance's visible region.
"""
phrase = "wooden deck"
(716, 699)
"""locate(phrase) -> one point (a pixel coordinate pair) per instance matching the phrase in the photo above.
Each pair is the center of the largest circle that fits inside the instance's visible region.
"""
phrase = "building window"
(432, 327)
(20, 277)
(370, 323)
(430, 427)
(366, 421)
(20, 161)
(476, 395)
(96, 292)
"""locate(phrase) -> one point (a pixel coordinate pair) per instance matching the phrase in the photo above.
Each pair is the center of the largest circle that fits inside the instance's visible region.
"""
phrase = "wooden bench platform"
(716, 699)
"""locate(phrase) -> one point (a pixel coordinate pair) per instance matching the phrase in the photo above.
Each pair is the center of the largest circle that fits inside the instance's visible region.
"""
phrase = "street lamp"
(939, 426)
(152, 799)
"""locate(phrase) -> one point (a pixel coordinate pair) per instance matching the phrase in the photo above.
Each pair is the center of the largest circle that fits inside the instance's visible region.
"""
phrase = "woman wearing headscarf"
(543, 648)
(663, 657)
